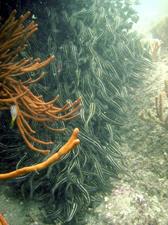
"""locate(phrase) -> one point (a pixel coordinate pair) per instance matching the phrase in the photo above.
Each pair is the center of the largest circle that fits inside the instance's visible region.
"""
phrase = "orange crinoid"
(3, 220)
(16, 96)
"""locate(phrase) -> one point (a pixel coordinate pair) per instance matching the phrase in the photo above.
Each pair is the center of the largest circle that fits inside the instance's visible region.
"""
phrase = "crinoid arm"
(66, 148)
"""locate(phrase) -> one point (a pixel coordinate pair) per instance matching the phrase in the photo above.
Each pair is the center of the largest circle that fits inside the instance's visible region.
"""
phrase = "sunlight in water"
(150, 11)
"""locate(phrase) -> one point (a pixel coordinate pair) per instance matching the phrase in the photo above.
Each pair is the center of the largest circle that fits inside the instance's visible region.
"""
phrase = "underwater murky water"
(83, 109)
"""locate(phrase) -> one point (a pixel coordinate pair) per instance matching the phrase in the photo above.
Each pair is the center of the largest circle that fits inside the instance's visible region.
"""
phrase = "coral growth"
(160, 116)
